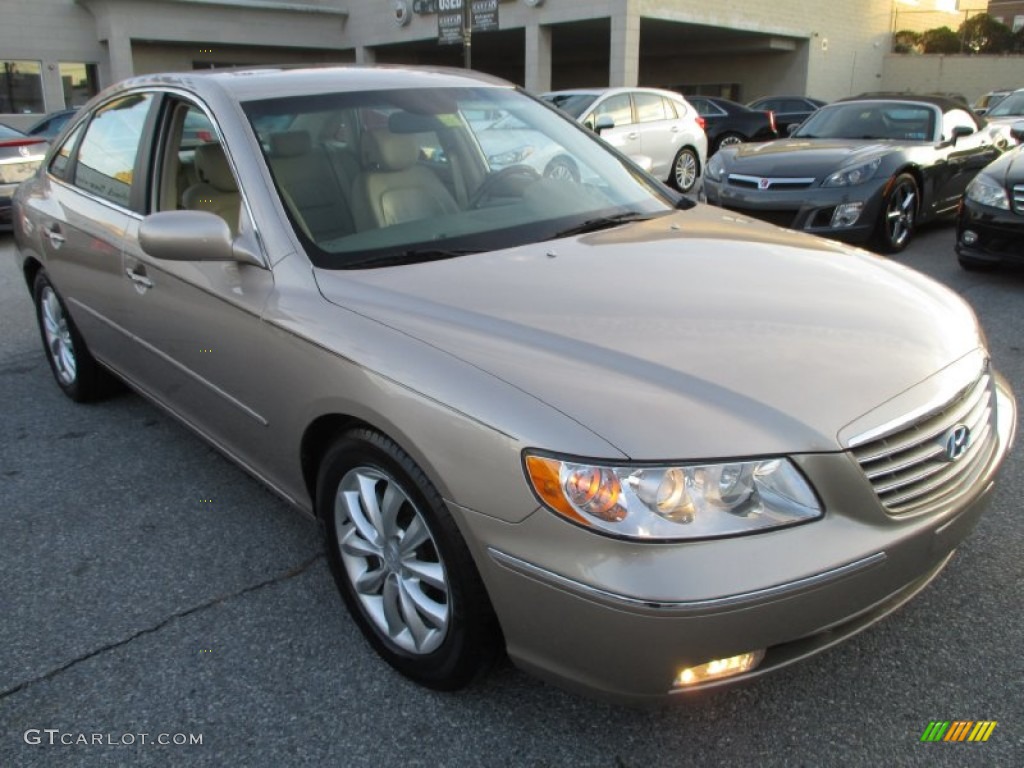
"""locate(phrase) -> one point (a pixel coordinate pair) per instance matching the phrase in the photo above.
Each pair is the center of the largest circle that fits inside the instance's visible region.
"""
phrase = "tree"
(983, 34)
(940, 40)
(906, 41)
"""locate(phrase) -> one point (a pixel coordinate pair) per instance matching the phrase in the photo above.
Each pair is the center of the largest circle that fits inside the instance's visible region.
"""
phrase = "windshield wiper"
(606, 222)
(411, 256)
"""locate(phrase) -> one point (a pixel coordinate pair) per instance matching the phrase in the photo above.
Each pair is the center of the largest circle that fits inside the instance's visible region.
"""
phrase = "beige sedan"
(644, 447)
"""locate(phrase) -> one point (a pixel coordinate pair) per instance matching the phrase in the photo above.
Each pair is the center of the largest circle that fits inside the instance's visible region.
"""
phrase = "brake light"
(771, 120)
(204, 135)
(702, 123)
(20, 142)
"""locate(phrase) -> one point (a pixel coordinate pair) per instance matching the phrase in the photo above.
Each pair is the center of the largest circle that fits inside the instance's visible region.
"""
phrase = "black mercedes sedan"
(862, 171)
(990, 227)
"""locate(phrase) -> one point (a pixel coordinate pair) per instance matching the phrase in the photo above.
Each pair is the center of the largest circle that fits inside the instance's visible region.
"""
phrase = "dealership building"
(56, 53)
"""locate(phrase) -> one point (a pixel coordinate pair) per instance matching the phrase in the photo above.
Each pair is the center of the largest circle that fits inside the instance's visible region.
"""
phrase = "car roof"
(942, 102)
(613, 90)
(245, 84)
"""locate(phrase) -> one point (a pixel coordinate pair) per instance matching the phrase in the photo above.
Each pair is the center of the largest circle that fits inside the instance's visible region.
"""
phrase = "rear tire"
(562, 168)
(74, 368)
(401, 564)
(729, 139)
(685, 170)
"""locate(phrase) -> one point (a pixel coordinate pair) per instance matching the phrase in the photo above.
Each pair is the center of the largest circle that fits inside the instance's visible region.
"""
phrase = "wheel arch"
(29, 270)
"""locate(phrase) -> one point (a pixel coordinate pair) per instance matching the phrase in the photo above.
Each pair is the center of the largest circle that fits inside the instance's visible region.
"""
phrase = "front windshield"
(893, 120)
(1011, 106)
(573, 104)
(376, 178)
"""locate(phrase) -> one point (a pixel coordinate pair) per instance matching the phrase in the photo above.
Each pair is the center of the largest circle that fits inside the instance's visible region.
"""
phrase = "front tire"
(401, 564)
(75, 370)
(685, 170)
(897, 222)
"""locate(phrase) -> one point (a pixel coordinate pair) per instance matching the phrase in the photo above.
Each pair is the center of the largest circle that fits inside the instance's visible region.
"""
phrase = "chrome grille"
(1018, 198)
(909, 468)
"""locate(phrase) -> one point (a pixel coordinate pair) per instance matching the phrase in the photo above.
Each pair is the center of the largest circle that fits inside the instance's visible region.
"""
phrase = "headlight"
(713, 170)
(858, 174)
(984, 190)
(511, 157)
(670, 502)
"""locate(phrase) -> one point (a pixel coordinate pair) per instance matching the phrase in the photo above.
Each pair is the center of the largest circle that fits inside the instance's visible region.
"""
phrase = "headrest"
(389, 151)
(290, 143)
(212, 167)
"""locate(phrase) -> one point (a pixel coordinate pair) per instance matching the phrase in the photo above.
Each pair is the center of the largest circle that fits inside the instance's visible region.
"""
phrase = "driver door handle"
(54, 234)
(139, 278)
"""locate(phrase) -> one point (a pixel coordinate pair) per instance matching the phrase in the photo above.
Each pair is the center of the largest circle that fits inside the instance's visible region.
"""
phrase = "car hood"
(693, 335)
(802, 157)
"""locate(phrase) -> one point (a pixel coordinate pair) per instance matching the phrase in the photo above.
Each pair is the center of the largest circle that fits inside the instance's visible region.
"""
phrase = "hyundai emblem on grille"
(956, 441)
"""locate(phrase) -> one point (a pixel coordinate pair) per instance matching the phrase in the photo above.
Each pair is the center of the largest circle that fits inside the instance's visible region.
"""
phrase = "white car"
(643, 122)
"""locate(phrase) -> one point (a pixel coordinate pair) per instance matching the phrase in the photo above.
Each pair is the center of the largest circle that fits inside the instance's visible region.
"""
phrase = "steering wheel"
(486, 189)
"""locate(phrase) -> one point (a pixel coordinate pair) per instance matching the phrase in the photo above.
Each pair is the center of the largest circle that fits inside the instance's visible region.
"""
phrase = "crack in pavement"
(287, 575)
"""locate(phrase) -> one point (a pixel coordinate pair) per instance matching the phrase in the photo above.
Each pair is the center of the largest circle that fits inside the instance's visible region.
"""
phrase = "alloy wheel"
(59, 345)
(392, 561)
(685, 170)
(900, 213)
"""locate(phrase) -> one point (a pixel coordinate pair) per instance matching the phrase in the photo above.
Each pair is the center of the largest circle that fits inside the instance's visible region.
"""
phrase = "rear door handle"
(633, 135)
(139, 278)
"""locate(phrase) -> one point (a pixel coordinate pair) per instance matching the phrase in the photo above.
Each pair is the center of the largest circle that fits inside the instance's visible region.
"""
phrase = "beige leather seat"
(314, 185)
(216, 191)
(393, 188)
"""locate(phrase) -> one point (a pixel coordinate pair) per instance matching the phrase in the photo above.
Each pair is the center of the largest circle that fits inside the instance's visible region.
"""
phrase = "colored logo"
(958, 730)
(956, 441)
(764, 183)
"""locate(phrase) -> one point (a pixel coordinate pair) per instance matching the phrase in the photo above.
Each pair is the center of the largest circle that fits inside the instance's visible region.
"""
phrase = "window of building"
(1018, 23)
(79, 82)
(106, 157)
(21, 87)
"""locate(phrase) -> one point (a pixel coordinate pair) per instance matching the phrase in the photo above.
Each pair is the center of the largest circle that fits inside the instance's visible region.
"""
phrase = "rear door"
(91, 195)
(660, 133)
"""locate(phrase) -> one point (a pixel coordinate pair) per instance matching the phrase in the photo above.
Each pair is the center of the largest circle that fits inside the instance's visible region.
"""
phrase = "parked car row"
(551, 414)
(20, 156)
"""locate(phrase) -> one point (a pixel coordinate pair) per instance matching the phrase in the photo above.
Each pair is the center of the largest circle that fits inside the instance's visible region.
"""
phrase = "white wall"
(970, 75)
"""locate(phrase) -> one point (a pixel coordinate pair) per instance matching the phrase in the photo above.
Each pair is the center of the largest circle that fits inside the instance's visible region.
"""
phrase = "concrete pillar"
(624, 68)
(538, 58)
(365, 55)
(119, 53)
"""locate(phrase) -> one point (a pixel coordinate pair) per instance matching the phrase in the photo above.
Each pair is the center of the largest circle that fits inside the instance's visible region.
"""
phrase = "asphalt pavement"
(153, 596)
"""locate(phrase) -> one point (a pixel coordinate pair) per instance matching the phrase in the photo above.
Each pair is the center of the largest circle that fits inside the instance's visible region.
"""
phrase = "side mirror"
(959, 131)
(1017, 131)
(604, 122)
(192, 236)
(981, 111)
(791, 128)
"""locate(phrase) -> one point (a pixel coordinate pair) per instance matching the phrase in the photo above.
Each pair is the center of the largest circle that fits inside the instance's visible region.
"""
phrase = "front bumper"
(1000, 234)
(621, 619)
(808, 210)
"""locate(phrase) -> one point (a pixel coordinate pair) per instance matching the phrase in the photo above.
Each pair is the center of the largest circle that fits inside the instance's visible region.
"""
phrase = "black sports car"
(727, 122)
(862, 171)
(990, 227)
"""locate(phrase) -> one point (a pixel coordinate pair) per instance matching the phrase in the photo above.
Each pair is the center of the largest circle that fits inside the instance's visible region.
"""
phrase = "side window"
(62, 157)
(106, 157)
(649, 107)
(617, 107)
(956, 118)
(195, 173)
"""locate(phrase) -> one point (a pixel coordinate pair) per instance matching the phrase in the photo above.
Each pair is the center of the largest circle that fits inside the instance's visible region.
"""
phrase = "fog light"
(718, 669)
(846, 215)
(969, 237)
